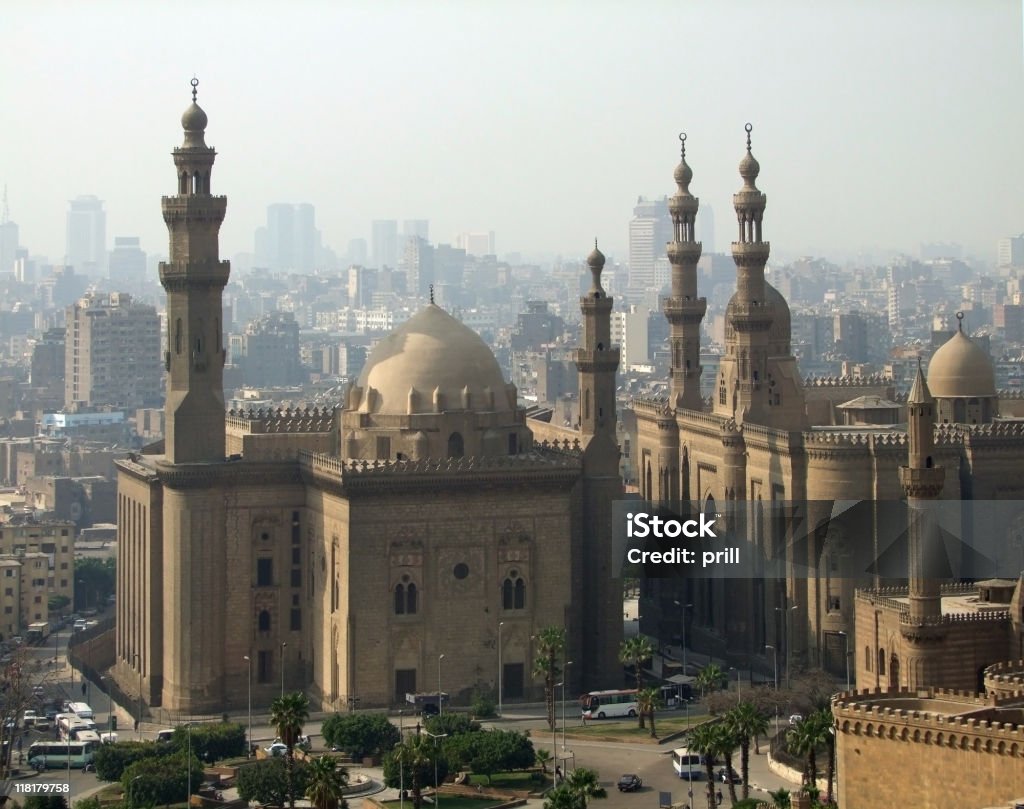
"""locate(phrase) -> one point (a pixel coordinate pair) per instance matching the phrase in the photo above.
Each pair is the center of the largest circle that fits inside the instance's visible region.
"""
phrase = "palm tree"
(825, 721)
(562, 798)
(780, 798)
(583, 784)
(543, 757)
(288, 714)
(711, 678)
(416, 758)
(648, 700)
(327, 782)
(747, 723)
(727, 744)
(706, 740)
(635, 652)
(550, 645)
(804, 740)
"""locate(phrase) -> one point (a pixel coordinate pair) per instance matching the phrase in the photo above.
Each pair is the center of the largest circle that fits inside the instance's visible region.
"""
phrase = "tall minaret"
(597, 361)
(922, 481)
(600, 615)
(194, 279)
(751, 314)
(683, 309)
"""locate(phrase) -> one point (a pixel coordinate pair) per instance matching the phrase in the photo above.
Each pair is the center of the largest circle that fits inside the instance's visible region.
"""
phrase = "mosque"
(767, 437)
(414, 538)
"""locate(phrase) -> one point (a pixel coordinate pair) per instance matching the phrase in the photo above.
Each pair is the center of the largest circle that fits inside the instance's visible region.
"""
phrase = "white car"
(29, 718)
(796, 719)
(277, 749)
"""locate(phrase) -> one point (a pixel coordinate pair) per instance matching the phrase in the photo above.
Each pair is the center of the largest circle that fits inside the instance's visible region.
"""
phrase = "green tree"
(288, 714)
(111, 760)
(708, 740)
(483, 705)
(211, 742)
(451, 724)
(56, 603)
(711, 678)
(648, 700)
(95, 581)
(746, 723)
(825, 721)
(562, 798)
(780, 798)
(161, 779)
(582, 783)
(550, 646)
(490, 751)
(804, 739)
(267, 781)
(412, 765)
(360, 735)
(635, 652)
(543, 758)
(326, 784)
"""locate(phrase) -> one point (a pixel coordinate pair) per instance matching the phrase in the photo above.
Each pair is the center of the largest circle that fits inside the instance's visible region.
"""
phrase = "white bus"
(58, 755)
(69, 726)
(611, 703)
(81, 710)
(689, 766)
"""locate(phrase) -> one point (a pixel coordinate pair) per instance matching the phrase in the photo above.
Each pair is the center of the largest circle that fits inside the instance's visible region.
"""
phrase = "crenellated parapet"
(870, 381)
(282, 420)
(1005, 679)
(650, 405)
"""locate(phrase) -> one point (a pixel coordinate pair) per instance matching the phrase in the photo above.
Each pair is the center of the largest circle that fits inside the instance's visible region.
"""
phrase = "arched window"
(513, 592)
(867, 658)
(410, 598)
(456, 448)
(405, 596)
(881, 662)
(264, 621)
(400, 599)
(894, 672)
(177, 336)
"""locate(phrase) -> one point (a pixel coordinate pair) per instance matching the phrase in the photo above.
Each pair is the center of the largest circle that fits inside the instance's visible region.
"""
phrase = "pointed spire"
(749, 167)
(919, 393)
(431, 293)
(596, 263)
(194, 120)
(683, 174)
(960, 322)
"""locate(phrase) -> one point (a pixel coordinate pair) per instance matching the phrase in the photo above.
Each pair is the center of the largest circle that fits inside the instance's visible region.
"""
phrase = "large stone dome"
(432, 363)
(961, 369)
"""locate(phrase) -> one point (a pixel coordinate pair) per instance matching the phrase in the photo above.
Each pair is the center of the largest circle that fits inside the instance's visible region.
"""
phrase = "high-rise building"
(629, 332)
(8, 238)
(270, 351)
(476, 244)
(86, 245)
(649, 231)
(384, 237)
(127, 264)
(419, 265)
(112, 353)
(419, 228)
(289, 240)
(1011, 252)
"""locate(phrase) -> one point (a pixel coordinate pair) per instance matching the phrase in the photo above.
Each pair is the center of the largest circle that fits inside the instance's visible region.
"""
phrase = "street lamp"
(500, 671)
(284, 645)
(138, 722)
(685, 608)
(554, 725)
(846, 639)
(248, 751)
(401, 772)
(435, 737)
(440, 698)
(786, 636)
(564, 679)
(775, 659)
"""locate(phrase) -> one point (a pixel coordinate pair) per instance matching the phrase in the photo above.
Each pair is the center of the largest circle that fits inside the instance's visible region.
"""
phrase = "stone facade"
(361, 552)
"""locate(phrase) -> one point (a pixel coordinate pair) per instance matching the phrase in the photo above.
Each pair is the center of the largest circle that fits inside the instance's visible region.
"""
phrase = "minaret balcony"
(751, 316)
(685, 253)
(193, 208)
(923, 484)
(594, 361)
(750, 254)
(683, 309)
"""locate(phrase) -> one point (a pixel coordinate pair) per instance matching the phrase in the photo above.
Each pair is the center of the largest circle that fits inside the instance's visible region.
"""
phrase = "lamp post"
(554, 727)
(248, 750)
(846, 639)
(435, 737)
(786, 633)
(501, 673)
(188, 765)
(284, 645)
(401, 772)
(564, 679)
(138, 722)
(440, 698)
(685, 607)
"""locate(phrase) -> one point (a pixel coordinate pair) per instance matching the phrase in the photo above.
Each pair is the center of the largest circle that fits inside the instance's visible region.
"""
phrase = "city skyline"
(860, 115)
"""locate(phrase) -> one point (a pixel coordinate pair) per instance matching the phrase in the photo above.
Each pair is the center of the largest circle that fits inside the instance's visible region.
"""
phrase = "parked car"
(796, 719)
(733, 775)
(29, 718)
(630, 783)
(277, 749)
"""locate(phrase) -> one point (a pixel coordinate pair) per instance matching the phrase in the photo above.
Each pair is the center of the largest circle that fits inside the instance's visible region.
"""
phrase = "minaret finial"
(960, 321)
(195, 84)
(682, 145)
(749, 128)
(431, 293)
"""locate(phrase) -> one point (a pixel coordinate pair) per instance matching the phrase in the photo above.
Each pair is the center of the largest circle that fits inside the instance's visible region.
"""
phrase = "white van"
(165, 735)
(81, 710)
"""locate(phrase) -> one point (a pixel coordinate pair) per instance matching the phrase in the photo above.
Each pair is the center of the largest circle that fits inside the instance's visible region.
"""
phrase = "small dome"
(194, 119)
(596, 258)
(436, 354)
(749, 168)
(683, 176)
(961, 369)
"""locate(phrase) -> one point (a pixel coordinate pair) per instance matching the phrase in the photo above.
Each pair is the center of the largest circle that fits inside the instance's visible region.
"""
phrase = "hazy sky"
(877, 124)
